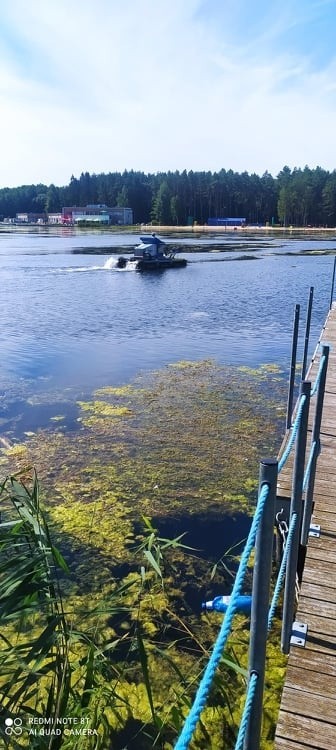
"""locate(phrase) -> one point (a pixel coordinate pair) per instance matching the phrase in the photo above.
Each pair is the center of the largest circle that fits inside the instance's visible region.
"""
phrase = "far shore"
(182, 229)
(197, 228)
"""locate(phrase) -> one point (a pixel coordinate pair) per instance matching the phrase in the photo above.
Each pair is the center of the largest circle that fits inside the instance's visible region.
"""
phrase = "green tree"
(52, 199)
(161, 206)
(329, 199)
(122, 197)
(175, 209)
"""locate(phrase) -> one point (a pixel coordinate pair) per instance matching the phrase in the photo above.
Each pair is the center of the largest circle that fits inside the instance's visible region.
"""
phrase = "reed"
(129, 688)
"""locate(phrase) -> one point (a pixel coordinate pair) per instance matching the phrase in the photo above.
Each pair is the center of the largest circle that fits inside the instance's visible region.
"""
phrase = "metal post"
(292, 367)
(308, 506)
(296, 507)
(308, 319)
(260, 599)
(332, 284)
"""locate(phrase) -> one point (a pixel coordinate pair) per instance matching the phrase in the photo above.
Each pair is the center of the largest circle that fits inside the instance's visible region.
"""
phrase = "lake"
(72, 322)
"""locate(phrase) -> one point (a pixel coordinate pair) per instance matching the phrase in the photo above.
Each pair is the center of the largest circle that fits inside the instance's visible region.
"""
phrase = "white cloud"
(152, 85)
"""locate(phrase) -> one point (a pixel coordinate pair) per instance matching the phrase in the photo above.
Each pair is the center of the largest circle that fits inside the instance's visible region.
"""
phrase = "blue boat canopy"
(151, 239)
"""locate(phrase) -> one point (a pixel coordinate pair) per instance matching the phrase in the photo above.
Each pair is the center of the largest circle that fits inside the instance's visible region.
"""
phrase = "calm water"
(71, 322)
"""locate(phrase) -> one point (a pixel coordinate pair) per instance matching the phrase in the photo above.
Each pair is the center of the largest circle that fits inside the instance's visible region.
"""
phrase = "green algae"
(185, 364)
(182, 441)
(94, 495)
(103, 409)
(190, 435)
(19, 451)
(176, 442)
(99, 411)
(109, 390)
(263, 371)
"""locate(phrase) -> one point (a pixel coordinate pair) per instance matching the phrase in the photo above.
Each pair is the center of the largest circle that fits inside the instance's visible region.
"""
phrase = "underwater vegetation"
(115, 604)
(175, 445)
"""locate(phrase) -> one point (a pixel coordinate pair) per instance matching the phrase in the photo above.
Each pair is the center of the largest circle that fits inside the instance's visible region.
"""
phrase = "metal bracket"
(314, 530)
(299, 634)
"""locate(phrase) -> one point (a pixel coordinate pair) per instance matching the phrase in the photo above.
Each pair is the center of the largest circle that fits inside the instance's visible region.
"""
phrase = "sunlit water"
(71, 321)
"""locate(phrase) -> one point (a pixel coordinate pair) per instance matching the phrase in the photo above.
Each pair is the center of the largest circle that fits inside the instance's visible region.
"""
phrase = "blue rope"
(281, 574)
(309, 465)
(209, 673)
(294, 430)
(318, 377)
(252, 686)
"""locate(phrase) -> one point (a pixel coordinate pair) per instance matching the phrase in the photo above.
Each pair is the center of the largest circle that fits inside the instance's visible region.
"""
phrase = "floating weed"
(190, 437)
(100, 411)
(19, 451)
(122, 391)
(101, 525)
(186, 364)
(131, 654)
(271, 367)
(103, 408)
(263, 371)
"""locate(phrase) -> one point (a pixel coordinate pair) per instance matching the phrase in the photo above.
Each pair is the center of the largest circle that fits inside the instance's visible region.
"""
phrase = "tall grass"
(49, 670)
(57, 663)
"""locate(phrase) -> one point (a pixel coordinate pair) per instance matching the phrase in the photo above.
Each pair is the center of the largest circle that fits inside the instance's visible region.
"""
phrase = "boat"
(152, 255)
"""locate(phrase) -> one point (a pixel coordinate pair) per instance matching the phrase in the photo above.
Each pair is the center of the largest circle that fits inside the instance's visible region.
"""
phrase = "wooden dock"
(307, 718)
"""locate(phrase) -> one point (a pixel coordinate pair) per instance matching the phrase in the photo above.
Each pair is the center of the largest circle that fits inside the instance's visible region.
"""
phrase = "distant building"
(31, 218)
(226, 222)
(97, 213)
(55, 218)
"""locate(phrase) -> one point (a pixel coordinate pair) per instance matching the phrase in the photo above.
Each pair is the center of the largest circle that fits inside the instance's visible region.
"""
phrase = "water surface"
(72, 322)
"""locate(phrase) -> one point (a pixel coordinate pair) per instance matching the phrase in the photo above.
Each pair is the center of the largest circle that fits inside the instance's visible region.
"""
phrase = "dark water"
(71, 322)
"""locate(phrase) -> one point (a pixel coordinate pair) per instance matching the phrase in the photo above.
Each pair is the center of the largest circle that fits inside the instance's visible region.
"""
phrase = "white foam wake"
(110, 263)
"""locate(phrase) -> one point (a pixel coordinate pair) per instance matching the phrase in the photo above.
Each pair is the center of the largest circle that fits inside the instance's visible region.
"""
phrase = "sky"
(157, 85)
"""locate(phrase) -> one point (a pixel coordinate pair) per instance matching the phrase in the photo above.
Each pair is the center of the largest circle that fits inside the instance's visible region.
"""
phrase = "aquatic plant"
(63, 660)
(176, 445)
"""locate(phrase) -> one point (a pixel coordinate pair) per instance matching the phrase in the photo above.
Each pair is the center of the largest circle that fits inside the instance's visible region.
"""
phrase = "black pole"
(260, 600)
(292, 367)
(332, 284)
(296, 507)
(308, 319)
(308, 506)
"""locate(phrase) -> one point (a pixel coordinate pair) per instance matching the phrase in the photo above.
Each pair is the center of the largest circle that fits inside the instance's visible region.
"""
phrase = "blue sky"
(165, 84)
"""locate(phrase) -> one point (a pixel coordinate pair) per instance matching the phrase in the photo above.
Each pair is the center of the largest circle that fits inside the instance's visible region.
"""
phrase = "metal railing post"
(308, 506)
(332, 284)
(296, 507)
(260, 599)
(292, 367)
(308, 319)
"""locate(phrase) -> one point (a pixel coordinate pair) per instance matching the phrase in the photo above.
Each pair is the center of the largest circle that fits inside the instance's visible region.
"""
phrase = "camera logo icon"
(13, 726)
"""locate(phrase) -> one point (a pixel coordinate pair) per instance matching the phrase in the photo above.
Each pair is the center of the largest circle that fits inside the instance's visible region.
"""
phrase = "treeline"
(298, 197)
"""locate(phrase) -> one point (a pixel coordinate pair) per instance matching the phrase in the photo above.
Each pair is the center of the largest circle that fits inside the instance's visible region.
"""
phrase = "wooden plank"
(309, 704)
(325, 644)
(307, 718)
(327, 530)
(324, 664)
(318, 591)
(311, 578)
(325, 609)
(306, 729)
(306, 680)
(321, 553)
(327, 523)
(326, 514)
(283, 743)
(318, 626)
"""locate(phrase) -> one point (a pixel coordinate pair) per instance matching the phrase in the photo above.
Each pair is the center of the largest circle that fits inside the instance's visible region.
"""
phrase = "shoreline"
(198, 228)
(160, 228)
